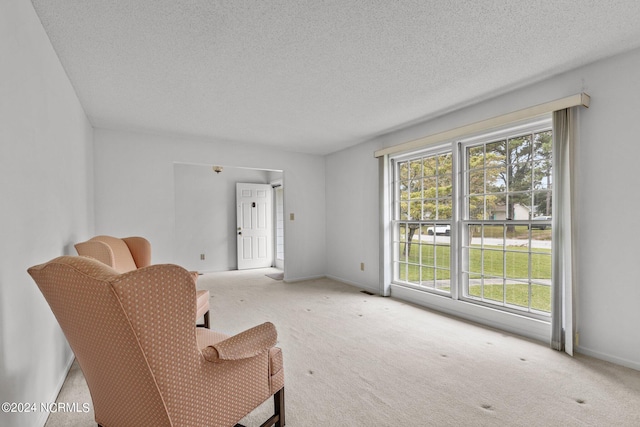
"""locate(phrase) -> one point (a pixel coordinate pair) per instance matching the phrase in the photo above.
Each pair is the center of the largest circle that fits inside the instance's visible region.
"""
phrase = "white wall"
(135, 194)
(206, 214)
(46, 187)
(353, 216)
(607, 200)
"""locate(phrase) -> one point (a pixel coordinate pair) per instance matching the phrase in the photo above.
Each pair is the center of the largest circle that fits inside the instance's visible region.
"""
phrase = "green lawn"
(490, 262)
(517, 294)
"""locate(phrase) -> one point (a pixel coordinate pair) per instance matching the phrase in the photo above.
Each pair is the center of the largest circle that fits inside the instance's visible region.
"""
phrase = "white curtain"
(563, 316)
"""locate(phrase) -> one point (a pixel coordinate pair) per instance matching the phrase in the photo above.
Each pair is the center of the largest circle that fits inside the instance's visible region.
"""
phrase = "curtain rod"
(548, 107)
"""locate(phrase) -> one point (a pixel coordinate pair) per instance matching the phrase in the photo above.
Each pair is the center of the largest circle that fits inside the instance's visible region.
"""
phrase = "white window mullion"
(456, 214)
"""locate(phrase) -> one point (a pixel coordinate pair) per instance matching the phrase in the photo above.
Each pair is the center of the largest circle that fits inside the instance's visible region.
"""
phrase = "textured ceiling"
(316, 76)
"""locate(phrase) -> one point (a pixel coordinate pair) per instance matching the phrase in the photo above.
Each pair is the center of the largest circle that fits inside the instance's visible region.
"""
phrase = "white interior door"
(255, 225)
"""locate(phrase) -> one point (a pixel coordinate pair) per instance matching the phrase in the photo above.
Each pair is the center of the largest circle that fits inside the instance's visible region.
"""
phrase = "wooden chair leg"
(277, 419)
(206, 323)
(278, 403)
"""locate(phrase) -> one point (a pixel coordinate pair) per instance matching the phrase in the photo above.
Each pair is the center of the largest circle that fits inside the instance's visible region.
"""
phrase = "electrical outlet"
(362, 266)
(202, 257)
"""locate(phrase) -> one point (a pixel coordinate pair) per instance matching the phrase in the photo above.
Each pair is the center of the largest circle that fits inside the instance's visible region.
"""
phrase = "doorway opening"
(206, 217)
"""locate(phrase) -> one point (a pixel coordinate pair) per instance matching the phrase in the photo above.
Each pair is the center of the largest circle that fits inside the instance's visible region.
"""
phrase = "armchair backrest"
(135, 340)
(123, 255)
(128, 354)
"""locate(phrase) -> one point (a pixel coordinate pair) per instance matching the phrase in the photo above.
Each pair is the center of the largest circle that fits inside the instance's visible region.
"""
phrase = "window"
(424, 207)
(506, 222)
(493, 223)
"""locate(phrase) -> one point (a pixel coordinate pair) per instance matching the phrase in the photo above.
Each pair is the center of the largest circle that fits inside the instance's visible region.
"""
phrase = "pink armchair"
(145, 362)
(131, 253)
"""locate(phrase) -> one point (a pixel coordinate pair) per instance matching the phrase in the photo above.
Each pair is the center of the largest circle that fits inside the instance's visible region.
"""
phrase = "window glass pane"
(474, 288)
(442, 251)
(444, 208)
(494, 234)
(404, 210)
(497, 207)
(410, 248)
(542, 204)
(541, 297)
(475, 181)
(541, 268)
(496, 154)
(517, 293)
(520, 206)
(415, 189)
(429, 166)
(413, 272)
(429, 189)
(444, 164)
(475, 234)
(519, 177)
(493, 289)
(517, 237)
(493, 261)
(429, 209)
(428, 276)
(475, 261)
(444, 186)
(541, 175)
(517, 265)
(402, 272)
(415, 210)
(476, 207)
(415, 167)
(475, 157)
(520, 149)
(428, 255)
(542, 143)
(403, 170)
(496, 179)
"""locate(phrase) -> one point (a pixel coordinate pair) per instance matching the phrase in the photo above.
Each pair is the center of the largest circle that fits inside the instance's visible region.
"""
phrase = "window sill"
(520, 325)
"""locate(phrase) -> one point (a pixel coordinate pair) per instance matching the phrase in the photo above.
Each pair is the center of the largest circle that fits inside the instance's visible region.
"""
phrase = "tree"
(425, 192)
(542, 172)
(524, 172)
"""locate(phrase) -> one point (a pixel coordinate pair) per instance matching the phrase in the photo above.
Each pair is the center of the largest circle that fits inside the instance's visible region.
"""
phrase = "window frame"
(395, 220)
(460, 220)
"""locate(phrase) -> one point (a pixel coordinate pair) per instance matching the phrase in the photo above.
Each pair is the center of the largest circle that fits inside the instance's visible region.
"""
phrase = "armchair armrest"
(244, 345)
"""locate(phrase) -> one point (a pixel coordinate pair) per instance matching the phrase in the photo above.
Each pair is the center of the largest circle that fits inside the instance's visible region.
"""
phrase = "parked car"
(440, 230)
(541, 226)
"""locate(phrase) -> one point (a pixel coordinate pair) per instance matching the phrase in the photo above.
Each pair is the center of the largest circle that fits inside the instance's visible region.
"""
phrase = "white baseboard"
(43, 415)
(302, 279)
(373, 290)
(608, 358)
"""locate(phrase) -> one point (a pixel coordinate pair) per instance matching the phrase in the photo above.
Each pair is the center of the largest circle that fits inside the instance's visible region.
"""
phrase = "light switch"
(292, 216)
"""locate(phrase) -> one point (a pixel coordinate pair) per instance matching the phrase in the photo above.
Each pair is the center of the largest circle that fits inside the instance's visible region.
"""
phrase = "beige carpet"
(353, 359)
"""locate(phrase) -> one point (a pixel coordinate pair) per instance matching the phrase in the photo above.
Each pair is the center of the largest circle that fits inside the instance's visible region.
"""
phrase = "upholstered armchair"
(145, 362)
(131, 253)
